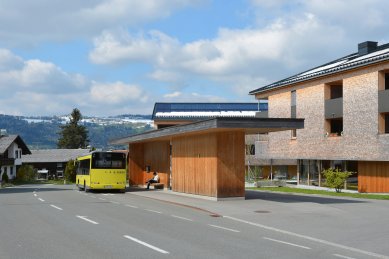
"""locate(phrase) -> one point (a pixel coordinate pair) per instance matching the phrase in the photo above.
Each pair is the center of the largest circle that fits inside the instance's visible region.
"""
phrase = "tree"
(336, 178)
(26, 173)
(72, 134)
(70, 171)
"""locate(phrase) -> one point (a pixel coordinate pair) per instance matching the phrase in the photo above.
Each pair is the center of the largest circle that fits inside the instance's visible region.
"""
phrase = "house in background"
(52, 161)
(12, 147)
(345, 104)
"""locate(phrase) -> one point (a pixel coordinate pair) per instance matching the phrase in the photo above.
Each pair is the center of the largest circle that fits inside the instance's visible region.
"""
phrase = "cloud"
(35, 75)
(30, 22)
(35, 87)
(115, 93)
(191, 97)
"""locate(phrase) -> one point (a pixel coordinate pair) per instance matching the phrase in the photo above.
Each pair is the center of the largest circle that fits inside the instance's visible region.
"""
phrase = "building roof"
(7, 140)
(53, 155)
(368, 53)
(194, 111)
(247, 125)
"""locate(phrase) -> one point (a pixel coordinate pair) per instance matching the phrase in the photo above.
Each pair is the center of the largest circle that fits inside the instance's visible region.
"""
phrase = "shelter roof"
(247, 125)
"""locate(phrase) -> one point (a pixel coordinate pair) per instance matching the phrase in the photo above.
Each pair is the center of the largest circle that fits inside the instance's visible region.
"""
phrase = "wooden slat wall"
(194, 164)
(157, 155)
(231, 164)
(373, 176)
(135, 164)
(154, 154)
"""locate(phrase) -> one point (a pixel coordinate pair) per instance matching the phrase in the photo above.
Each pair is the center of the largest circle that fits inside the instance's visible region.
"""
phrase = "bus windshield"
(102, 160)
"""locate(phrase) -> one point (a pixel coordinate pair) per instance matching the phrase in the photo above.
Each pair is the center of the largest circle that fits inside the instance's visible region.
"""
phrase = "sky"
(111, 57)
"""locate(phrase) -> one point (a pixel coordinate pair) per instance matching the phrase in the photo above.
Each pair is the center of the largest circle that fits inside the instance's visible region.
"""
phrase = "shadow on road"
(31, 188)
(290, 198)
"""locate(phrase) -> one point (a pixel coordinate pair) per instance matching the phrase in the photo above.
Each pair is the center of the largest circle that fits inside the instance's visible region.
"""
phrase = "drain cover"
(262, 211)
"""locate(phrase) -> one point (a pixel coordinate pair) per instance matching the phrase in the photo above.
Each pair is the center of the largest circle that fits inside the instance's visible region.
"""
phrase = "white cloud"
(191, 97)
(35, 87)
(29, 22)
(115, 93)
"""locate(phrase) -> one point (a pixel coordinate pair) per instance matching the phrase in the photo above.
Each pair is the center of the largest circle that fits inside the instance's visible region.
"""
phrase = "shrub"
(4, 178)
(26, 173)
(70, 171)
(336, 178)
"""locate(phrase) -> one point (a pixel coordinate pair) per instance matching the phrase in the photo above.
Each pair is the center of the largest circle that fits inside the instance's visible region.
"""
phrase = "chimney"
(366, 47)
(3, 132)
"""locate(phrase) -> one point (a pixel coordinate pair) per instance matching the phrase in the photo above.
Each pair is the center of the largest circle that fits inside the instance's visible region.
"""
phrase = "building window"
(384, 123)
(250, 149)
(335, 127)
(386, 81)
(293, 111)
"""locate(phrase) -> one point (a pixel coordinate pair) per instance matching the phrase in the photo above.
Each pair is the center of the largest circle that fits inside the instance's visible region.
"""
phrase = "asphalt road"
(47, 221)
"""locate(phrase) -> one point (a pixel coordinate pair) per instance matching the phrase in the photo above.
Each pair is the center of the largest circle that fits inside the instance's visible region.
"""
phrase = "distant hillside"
(42, 132)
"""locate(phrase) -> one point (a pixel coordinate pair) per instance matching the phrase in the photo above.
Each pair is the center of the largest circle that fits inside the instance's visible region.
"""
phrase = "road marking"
(102, 199)
(286, 243)
(343, 256)
(42, 200)
(153, 211)
(178, 217)
(55, 207)
(90, 221)
(115, 202)
(229, 229)
(308, 238)
(146, 244)
(108, 194)
(35, 194)
(131, 206)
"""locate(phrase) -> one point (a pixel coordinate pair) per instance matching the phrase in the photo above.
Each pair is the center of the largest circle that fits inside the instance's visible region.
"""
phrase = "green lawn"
(328, 193)
(15, 183)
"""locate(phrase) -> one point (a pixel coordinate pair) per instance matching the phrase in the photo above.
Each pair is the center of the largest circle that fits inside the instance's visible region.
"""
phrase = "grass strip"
(322, 192)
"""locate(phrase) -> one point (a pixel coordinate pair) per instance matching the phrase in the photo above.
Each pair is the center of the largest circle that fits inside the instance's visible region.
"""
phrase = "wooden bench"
(158, 185)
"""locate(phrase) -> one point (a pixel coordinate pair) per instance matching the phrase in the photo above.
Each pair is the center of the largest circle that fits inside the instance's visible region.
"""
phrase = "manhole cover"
(262, 211)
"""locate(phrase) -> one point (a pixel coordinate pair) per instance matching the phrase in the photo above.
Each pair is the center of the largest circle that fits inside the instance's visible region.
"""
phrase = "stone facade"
(360, 139)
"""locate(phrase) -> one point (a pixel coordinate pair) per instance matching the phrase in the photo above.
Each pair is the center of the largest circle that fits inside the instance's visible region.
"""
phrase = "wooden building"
(203, 158)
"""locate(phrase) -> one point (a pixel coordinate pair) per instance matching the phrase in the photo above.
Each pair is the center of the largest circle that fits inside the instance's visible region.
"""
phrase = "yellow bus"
(101, 170)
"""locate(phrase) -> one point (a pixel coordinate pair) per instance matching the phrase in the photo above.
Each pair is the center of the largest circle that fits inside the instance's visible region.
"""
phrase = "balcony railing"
(7, 161)
(383, 101)
(333, 108)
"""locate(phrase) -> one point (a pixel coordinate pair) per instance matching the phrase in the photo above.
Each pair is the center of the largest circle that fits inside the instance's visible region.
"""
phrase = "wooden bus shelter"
(202, 158)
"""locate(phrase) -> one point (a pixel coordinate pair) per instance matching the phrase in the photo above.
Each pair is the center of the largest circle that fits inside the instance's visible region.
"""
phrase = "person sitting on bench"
(155, 179)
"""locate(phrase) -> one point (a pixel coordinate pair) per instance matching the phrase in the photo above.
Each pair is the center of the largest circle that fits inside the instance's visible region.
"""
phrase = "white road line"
(35, 194)
(153, 211)
(90, 221)
(229, 229)
(115, 202)
(102, 199)
(286, 243)
(343, 256)
(308, 238)
(42, 200)
(131, 206)
(55, 207)
(146, 244)
(178, 217)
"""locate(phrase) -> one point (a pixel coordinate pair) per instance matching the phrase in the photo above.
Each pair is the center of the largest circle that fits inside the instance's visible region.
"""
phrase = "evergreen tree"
(73, 135)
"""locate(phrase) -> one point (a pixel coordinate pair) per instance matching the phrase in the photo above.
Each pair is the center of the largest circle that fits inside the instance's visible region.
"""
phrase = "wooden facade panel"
(135, 164)
(194, 164)
(373, 176)
(153, 154)
(231, 164)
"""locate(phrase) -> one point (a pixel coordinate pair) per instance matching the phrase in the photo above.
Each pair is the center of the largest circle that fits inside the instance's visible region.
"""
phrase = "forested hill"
(42, 132)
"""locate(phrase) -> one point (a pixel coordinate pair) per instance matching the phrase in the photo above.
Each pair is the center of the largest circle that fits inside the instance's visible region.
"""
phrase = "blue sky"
(109, 57)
